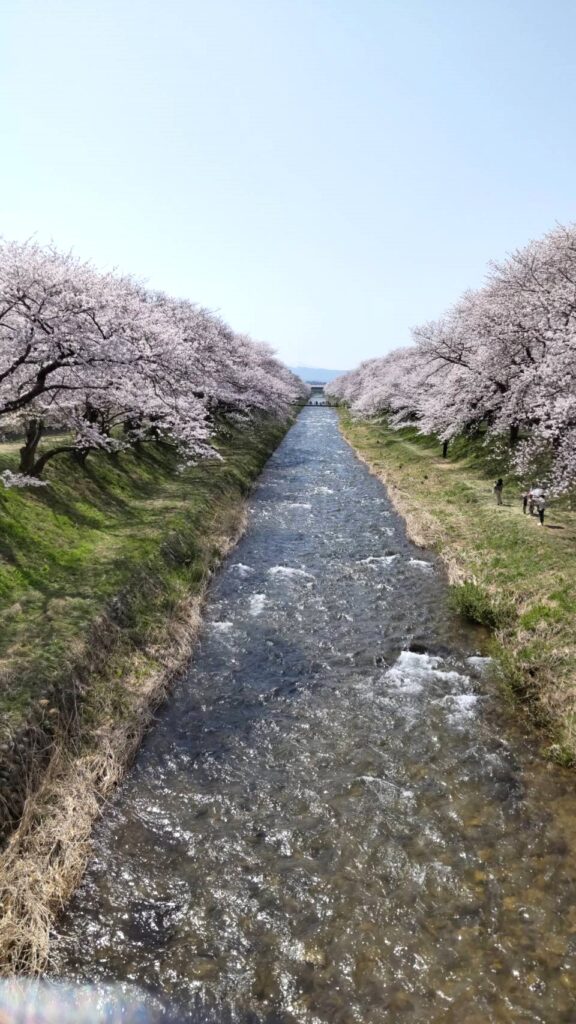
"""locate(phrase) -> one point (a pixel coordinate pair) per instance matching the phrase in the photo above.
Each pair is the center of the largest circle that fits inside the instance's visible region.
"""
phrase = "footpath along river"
(334, 819)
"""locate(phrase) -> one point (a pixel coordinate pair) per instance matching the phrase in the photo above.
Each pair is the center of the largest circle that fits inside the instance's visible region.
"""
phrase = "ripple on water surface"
(332, 821)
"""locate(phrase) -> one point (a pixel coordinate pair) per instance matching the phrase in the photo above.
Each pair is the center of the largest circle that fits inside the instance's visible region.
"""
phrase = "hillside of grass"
(102, 575)
(92, 567)
(507, 572)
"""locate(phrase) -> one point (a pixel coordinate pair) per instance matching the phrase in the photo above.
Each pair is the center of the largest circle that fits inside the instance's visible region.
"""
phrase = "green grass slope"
(92, 567)
(509, 573)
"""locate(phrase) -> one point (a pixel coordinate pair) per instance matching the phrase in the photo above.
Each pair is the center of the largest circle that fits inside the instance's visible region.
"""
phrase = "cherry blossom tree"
(502, 362)
(110, 363)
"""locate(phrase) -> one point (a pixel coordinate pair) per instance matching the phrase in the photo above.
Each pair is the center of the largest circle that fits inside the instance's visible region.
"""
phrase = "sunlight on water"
(334, 819)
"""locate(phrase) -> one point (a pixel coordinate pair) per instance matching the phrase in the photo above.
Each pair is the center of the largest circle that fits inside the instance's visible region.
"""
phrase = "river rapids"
(336, 818)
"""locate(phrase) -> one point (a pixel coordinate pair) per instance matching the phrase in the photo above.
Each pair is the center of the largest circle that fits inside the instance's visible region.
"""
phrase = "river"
(335, 818)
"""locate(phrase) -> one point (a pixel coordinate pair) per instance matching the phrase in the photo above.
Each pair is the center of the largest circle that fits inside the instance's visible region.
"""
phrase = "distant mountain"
(309, 373)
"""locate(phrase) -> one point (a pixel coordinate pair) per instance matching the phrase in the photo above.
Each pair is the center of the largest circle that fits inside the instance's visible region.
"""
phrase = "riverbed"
(336, 818)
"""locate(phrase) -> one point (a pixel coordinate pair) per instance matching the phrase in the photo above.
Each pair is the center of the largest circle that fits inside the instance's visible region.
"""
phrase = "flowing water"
(334, 819)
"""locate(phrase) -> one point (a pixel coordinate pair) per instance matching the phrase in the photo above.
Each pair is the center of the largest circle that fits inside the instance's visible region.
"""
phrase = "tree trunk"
(38, 467)
(34, 431)
(80, 455)
(134, 422)
(445, 449)
(514, 434)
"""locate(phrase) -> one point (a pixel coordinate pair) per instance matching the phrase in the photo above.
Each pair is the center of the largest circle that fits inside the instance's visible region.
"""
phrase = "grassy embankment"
(101, 577)
(506, 571)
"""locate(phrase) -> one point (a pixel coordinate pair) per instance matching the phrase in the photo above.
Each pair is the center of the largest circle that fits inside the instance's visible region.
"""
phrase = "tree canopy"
(502, 360)
(110, 362)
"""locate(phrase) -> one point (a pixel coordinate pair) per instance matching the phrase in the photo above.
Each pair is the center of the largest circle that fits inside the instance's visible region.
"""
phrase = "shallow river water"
(334, 819)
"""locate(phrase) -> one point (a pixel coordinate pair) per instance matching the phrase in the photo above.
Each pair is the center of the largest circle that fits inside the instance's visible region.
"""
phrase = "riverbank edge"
(552, 719)
(46, 855)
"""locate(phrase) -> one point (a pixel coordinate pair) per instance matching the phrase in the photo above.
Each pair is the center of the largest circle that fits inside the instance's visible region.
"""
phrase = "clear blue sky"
(326, 173)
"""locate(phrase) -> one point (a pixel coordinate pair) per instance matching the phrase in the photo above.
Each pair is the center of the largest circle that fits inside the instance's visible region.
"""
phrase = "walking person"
(541, 506)
(525, 496)
(534, 494)
(498, 487)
